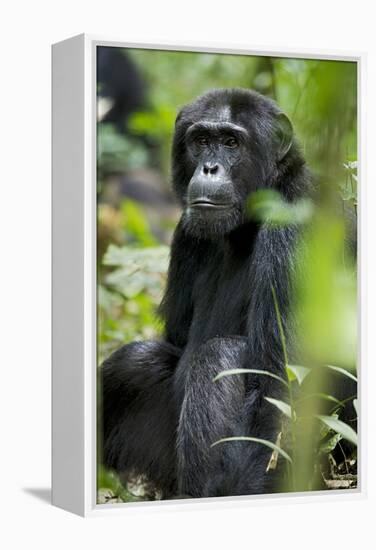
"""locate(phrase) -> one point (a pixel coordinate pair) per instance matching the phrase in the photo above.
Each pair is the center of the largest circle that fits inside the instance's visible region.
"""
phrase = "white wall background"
(27, 30)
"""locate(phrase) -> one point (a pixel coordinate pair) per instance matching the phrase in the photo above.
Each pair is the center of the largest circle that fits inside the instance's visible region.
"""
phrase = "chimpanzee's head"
(227, 144)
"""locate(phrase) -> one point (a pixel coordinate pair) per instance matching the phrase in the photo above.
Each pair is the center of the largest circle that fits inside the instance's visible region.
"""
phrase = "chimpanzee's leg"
(139, 412)
(232, 406)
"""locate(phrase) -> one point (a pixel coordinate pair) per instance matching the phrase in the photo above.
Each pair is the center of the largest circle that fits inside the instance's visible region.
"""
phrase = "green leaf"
(156, 123)
(281, 405)
(340, 427)
(135, 223)
(107, 479)
(355, 403)
(255, 440)
(268, 206)
(325, 429)
(343, 371)
(324, 396)
(328, 445)
(297, 372)
(231, 372)
(139, 269)
(150, 258)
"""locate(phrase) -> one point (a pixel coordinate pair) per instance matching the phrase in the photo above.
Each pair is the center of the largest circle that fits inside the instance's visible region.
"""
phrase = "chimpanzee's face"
(222, 152)
(216, 149)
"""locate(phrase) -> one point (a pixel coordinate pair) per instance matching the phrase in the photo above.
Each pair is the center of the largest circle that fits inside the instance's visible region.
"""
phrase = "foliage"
(268, 206)
(116, 153)
(130, 287)
(320, 99)
(324, 282)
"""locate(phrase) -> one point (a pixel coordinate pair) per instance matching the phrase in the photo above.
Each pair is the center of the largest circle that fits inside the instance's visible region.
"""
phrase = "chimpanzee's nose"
(210, 168)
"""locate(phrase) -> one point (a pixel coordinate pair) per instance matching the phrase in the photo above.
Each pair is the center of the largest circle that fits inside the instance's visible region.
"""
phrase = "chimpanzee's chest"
(221, 298)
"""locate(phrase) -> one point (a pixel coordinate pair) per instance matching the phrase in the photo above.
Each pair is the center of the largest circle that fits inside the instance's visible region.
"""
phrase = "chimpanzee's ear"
(284, 135)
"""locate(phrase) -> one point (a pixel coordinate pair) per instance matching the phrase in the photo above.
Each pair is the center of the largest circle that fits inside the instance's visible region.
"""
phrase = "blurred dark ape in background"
(121, 89)
(122, 92)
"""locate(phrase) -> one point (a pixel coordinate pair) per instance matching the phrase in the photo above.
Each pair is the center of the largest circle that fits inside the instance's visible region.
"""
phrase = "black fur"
(162, 410)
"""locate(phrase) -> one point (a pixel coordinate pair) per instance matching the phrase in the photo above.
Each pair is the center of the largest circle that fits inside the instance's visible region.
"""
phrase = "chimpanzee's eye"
(231, 142)
(202, 140)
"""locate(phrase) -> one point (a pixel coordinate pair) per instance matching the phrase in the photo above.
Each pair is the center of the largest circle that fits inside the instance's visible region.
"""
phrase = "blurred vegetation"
(320, 97)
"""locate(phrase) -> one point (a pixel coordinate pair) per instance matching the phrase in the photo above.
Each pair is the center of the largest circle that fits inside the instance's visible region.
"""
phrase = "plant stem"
(286, 363)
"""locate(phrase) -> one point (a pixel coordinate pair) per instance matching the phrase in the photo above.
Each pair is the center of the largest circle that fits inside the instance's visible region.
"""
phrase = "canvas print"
(227, 275)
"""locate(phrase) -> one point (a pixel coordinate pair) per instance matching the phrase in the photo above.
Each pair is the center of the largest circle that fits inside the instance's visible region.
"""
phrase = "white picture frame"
(74, 277)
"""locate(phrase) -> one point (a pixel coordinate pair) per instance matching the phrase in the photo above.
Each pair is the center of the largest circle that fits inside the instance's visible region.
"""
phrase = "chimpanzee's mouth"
(206, 203)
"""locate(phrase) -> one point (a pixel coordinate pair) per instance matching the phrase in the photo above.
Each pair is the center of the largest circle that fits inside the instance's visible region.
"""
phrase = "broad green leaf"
(255, 440)
(325, 429)
(297, 372)
(281, 405)
(355, 403)
(340, 427)
(155, 123)
(343, 371)
(137, 270)
(324, 396)
(328, 445)
(152, 258)
(231, 372)
(268, 206)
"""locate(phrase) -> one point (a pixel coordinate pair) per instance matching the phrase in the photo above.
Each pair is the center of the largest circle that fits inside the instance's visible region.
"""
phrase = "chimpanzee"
(161, 409)
(119, 81)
